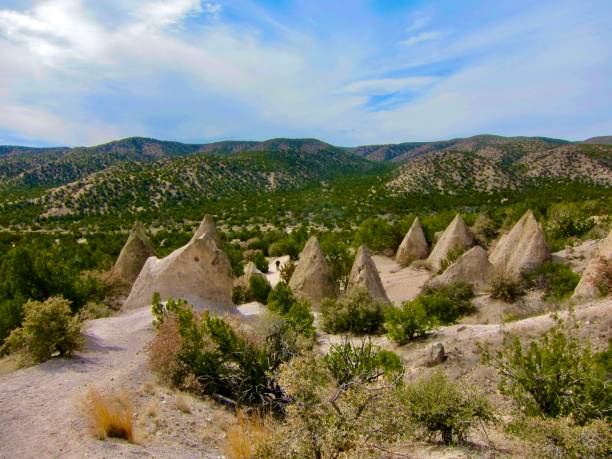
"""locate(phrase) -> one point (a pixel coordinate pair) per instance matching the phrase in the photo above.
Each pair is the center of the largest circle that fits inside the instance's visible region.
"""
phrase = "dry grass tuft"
(152, 408)
(243, 438)
(111, 415)
(163, 350)
(182, 403)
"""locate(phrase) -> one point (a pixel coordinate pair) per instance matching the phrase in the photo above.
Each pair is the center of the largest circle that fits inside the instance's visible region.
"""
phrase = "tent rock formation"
(198, 272)
(365, 275)
(312, 278)
(414, 246)
(457, 236)
(472, 267)
(522, 249)
(208, 226)
(133, 256)
(593, 274)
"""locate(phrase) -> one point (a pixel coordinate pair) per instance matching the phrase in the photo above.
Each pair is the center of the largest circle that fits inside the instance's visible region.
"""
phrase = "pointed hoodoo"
(208, 226)
(472, 267)
(133, 256)
(456, 237)
(414, 246)
(596, 277)
(522, 249)
(198, 272)
(365, 275)
(312, 278)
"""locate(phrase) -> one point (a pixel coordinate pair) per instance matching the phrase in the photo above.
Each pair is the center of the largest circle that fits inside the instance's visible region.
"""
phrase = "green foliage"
(562, 439)
(379, 235)
(505, 288)
(286, 271)
(409, 321)
(48, 328)
(556, 279)
(439, 406)
(296, 312)
(555, 375)
(448, 302)
(451, 257)
(365, 363)
(356, 312)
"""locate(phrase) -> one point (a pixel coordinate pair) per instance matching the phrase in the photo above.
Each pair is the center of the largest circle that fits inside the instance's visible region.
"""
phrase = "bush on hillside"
(356, 312)
(556, 279)
(448, 302)
(440, 407)
(555, 375)
(48, 328)
(505, 288)
(257, 290)
(257, 257)
(451, 257)
(408, 322)
(287, 270)
(296, 312)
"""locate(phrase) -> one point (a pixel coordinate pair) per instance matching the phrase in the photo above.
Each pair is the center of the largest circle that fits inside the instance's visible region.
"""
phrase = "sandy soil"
(273, 274)
(401, 284)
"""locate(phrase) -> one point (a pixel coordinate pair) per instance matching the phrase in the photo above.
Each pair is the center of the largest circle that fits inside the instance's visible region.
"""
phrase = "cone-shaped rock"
(312, 278)
(594, 273)
(521, 249)
(133, 256)
(250, 271)
(457, 236)
(472, 267)
(365, 275)
(208, 226)
(198, 272)
(414, 246)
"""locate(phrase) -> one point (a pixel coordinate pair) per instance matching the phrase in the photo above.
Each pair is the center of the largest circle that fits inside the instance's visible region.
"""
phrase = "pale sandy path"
(401, 284)
(40, 415)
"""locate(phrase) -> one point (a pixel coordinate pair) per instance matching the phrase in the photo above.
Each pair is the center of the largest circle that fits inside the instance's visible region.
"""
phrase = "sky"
(84, 72)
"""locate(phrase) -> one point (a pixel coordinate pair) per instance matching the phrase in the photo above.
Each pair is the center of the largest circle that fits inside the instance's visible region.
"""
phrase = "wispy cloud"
(421, 37)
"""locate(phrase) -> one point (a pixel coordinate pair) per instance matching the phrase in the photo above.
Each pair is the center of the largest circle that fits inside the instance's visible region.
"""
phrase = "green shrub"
(505, 288)
(451, 257)
(408, 322)
(448, 302)
(561, 438)
(365, 363)
(48, 328)
(555, 375)
(296, 312)
(259, 289)
(260, 260)
(439, 406)
(286, 271)
(356, 312)
(556, 279)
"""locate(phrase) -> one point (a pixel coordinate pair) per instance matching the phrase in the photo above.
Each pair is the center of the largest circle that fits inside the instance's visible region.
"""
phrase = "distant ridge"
(601, 140)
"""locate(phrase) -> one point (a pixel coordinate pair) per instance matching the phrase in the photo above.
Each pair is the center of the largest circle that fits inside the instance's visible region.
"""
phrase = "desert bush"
(505, 288)
(94, 310)
(448, 302)
(409, 321)
(287, 270)
(325, 419)
(110, 415)
(555, 375)
(163, 351)
(439, 406)
(364, 362)
(604, 278)
(556, 279)
(356, 312)
(250, 433)
(560, 438)
(48, 328)
(451, 257)
(257, 257)
(296, 312)
(259, 289)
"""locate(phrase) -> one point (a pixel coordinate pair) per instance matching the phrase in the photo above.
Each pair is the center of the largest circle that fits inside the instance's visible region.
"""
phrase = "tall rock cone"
(208, 226)
(521, 249)
(198, 272)
(472, 267)
(133, 256)
(597, 275)
(312, 278)
(414, 246)
(365, 275)
(457, 236)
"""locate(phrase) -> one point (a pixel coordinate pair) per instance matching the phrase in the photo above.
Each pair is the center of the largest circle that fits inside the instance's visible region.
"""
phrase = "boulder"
(365, 275)
(456, 237)
(133, 256)
(198, 272)
(414, 246)
(208, 226)
(435, 355)
(472, 267)
(522, 249)
(312, 279)
(597, 272)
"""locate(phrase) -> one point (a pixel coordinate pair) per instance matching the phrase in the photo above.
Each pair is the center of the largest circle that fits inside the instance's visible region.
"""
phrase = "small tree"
(409, 321)
(356, 312)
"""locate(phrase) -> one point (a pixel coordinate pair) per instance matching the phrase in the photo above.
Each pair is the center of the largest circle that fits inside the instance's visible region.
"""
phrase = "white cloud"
(212, 8)
(421, 37)
(387, 85)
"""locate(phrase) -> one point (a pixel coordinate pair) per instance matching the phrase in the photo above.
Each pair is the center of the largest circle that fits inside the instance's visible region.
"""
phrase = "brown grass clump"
(243, 438)
(163, 350)
(182, 403)
(111, 415)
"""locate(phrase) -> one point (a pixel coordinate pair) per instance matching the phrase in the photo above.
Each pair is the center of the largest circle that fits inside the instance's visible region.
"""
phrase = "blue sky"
(82, 72)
